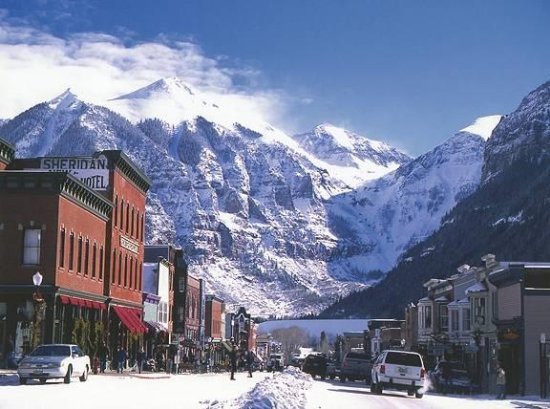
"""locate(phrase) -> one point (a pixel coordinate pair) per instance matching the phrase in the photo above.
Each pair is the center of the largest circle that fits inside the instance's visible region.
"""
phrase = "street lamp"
(39, 309)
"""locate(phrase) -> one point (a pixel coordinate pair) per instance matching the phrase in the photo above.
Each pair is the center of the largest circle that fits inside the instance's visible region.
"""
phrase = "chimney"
(489, 260)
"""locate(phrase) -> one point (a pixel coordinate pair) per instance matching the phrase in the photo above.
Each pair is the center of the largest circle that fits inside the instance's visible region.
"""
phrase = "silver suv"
(399, 370)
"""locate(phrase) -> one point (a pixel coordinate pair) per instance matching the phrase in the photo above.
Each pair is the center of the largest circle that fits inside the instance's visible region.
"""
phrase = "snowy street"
(289, 390)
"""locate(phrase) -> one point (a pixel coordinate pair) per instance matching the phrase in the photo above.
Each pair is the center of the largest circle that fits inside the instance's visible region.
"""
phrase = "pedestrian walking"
(141, 358)
(121, 357)
(446, 375)
(104, 355)
(249, 362)
(233, 359)
(9, 353)
(501, 382)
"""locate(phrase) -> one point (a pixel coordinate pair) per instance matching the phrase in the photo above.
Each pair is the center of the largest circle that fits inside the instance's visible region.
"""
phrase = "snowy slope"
(404, 207)
(350, 157)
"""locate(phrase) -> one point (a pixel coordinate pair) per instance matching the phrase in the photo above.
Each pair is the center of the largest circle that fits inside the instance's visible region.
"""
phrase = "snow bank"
(284, 390)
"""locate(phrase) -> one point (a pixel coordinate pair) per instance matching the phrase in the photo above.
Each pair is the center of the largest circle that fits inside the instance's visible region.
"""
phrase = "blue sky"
(410, 73)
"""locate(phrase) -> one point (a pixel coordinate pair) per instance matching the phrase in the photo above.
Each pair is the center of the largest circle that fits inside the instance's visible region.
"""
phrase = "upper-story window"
(443, 318)
(71, 251)
(121, 213)
(62, 248)
(127, 218)
(133, 222)
(31, 246)
(427, 317)
(466, 319)
(479, 310)
(454, 320)
(115, 211)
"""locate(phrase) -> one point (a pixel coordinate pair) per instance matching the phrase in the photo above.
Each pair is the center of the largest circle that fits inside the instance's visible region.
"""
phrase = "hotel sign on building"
(94, 172)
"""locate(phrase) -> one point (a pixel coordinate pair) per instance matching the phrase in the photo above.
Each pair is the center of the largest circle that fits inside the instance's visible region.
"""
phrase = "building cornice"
(118, 159)
(60, 183)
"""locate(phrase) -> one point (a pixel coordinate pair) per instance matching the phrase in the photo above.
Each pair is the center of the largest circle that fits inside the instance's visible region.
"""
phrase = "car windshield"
(52, 350)
(399, 358)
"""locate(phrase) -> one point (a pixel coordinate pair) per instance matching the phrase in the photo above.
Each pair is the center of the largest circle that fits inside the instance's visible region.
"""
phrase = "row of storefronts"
(74, 267)
(484, 316)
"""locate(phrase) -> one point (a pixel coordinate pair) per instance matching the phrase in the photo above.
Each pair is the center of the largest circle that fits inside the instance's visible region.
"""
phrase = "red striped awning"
(131, 319)
(79, 302)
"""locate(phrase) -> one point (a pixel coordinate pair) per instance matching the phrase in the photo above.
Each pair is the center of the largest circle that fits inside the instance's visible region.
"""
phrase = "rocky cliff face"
(522, 135)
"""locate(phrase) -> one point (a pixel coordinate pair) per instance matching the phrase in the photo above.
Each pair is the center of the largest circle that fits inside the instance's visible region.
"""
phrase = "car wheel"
(68, 375)
(418, 395)
(23, 381)
(410, 393)
(42, 381)
(84, 376)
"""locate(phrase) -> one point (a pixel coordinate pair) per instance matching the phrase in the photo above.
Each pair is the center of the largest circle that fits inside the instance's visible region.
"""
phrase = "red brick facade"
(214, 311)
(87, 244)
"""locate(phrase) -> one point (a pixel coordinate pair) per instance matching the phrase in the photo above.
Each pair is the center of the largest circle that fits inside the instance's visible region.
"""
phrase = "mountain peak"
(483, 126)
(63, 100)
(169, 86)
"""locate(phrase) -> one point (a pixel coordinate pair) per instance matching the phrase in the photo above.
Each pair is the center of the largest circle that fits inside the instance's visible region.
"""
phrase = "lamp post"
(476, 334)
(39, 310)
(543, 366)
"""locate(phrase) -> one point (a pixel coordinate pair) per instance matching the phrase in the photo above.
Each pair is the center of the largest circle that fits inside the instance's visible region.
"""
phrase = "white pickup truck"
(399, 370)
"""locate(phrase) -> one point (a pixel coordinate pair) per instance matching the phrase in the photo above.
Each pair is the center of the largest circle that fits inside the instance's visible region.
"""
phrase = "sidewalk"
(131, 374)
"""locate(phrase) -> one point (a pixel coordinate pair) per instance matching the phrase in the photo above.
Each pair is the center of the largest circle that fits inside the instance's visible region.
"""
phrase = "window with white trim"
(31, 246)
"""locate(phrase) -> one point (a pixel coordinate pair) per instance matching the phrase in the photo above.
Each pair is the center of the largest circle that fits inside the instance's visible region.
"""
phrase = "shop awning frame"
(79, 302)
(131, 319)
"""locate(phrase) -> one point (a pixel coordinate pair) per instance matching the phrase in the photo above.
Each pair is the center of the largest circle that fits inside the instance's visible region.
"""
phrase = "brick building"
(80, 223)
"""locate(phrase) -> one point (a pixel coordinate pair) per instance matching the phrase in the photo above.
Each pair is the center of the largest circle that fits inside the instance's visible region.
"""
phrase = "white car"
(399, 370)
(54, 361)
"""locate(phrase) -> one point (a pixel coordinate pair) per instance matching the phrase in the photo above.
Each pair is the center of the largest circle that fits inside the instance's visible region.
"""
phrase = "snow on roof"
(476, 288)
(441, 299)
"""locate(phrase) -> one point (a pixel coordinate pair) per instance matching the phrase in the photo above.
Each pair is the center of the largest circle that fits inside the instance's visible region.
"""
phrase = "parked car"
(355, 366)
(399, 370)
(275, 363)
(458, 380)
(315, 365)
(54, 361)
(296, 361)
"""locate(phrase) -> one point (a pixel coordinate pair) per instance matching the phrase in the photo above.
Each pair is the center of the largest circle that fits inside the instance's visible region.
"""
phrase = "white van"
(399, 370)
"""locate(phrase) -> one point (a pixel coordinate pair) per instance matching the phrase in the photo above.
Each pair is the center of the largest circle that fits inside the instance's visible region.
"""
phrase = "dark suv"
(315, 365)
(356, 366)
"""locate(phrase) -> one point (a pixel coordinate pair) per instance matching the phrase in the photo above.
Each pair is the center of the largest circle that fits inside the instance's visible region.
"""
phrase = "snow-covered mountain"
(263, 217)
(402, 208)
(352, 157)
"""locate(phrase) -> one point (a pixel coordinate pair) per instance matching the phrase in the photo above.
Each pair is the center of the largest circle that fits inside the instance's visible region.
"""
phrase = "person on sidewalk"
(140, 358)
(249, 362)
(121, 357)
(501, 382)
(233, 358)
(104, 355)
